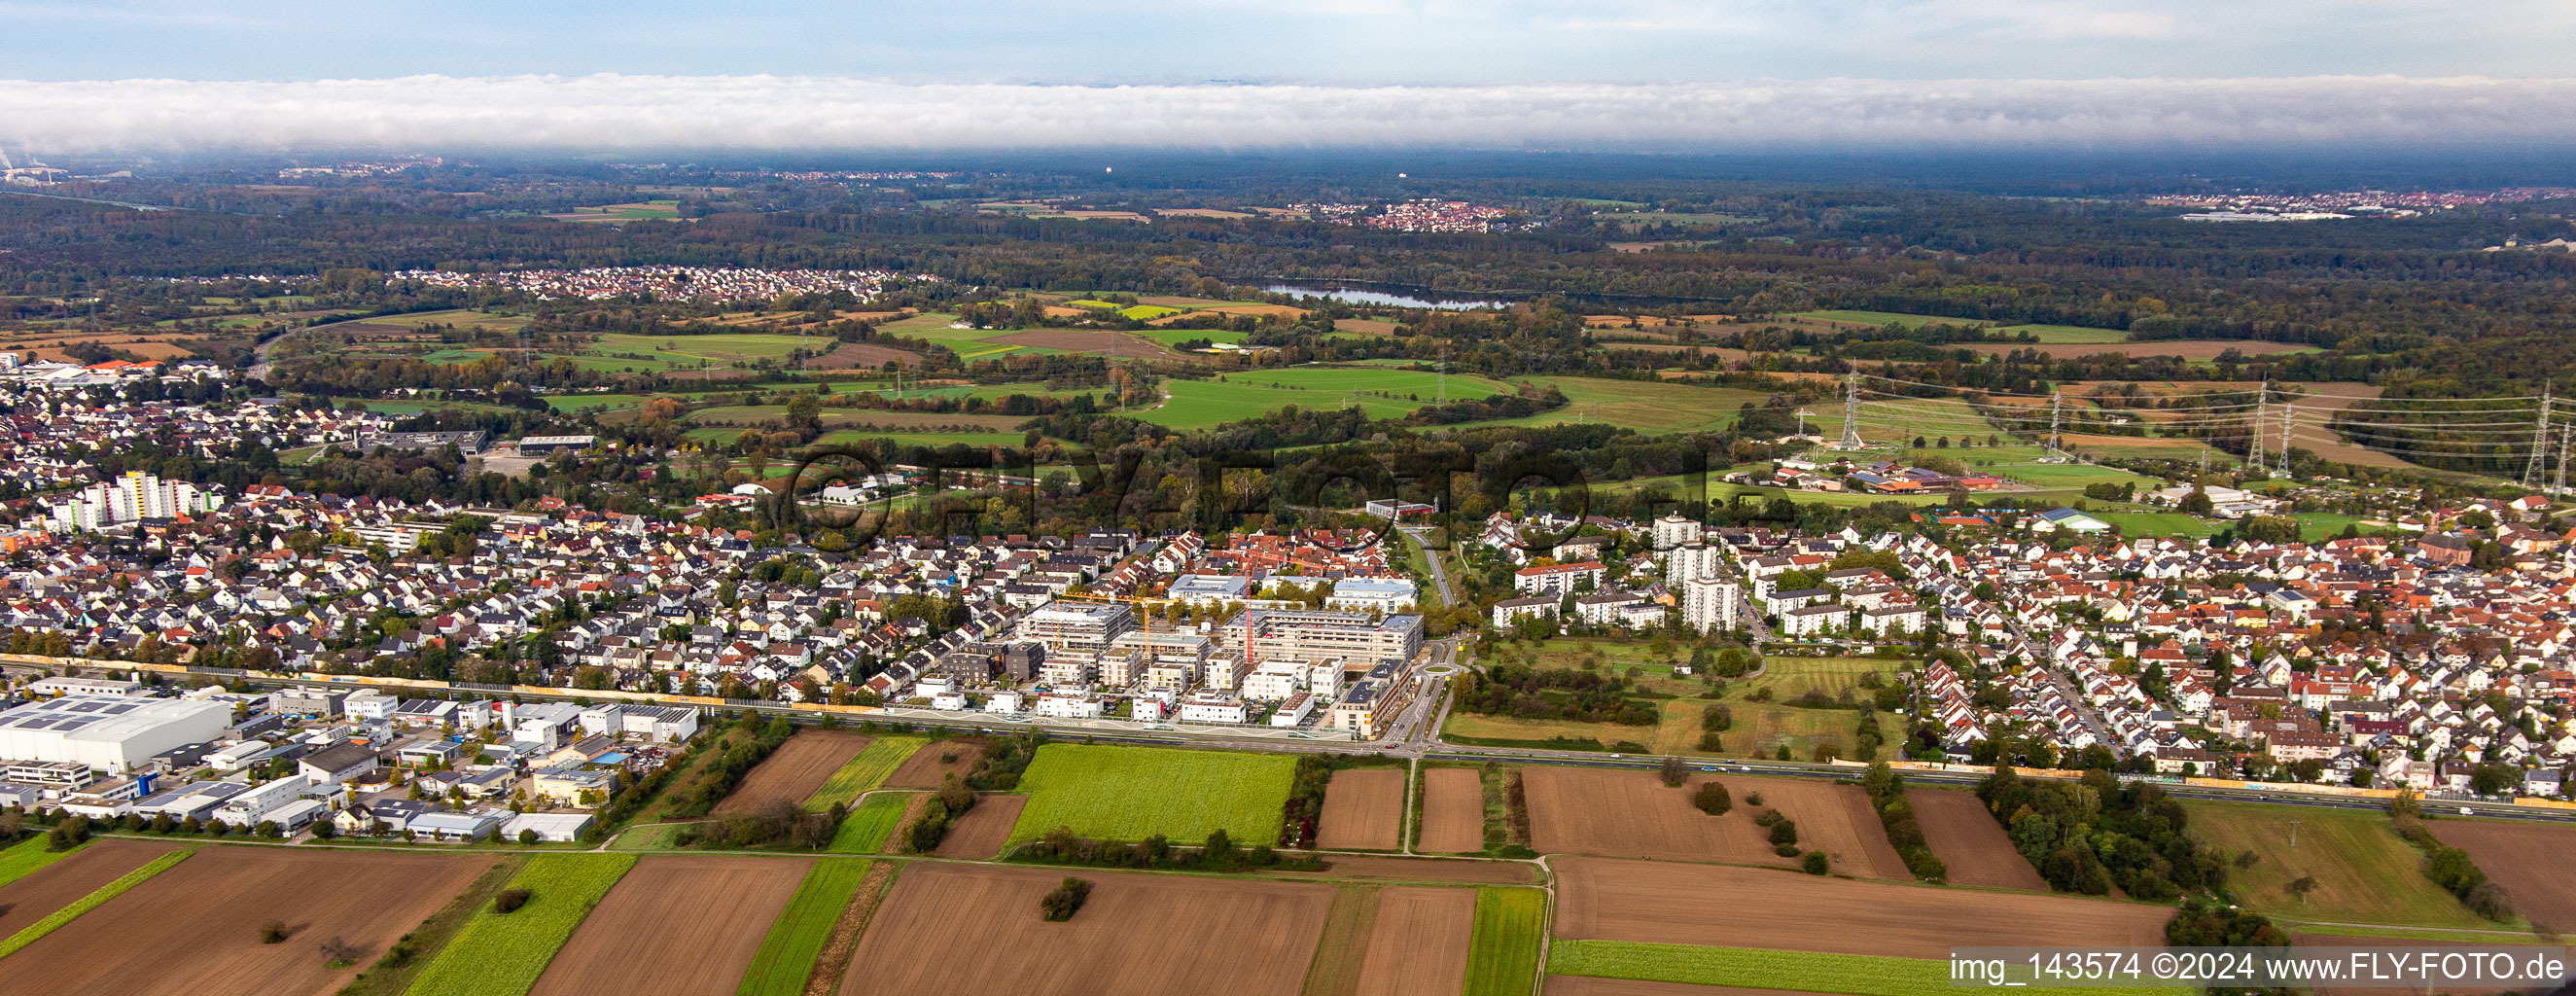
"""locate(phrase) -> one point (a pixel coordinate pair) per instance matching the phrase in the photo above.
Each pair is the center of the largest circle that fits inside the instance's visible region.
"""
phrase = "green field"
(460, 319)
(26, 857)
(1196, 404)
(2072, 334)
(1884, 318)
(1790, 677)
(1648, 406)
(1176, 336)
(2364, 872)
(719, 349)
(787, 954)
(1509, 925)
(1755, 968)
(594, 402)
(865, 830)
(502, 954)
(655, 837)
(866, 771)
(1131, 793)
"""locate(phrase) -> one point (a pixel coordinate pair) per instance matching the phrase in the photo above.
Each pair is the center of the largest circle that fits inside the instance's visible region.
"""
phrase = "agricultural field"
(787, 955)
(341, 908)
(1131, 793)
(98, 871)
(796, 770)
(1382, 393)
(1510, 925)
(2364, 872)
(1649, 406)
(1603, 968)
(930, 766)
(656, 210)
(1363, 811)
(1665, 903)
(1453, 811)
(503, 954)
(26, 857)
(1394, 941)
(1882, 319)
(986, 829)
(1969, 842)
(870, 824)
(1631, 814)
(2189, 349)
(864, 772)
(677, 925)
(2529, 858)
(1139, 935)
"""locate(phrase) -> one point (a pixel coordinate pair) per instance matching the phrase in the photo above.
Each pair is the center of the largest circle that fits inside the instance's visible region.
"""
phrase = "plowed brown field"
(194, 928)
(2528, 859)
(1713, 905)
(1630, 814)
(1967, 839)
(1453, 811)
(1363, 810)
(795, 769)
(925, 770)
(984, 829)
(860, 356)
(1138, 935)
(678, 925)
(1833, 817)
(1419, 943)
(55, 886)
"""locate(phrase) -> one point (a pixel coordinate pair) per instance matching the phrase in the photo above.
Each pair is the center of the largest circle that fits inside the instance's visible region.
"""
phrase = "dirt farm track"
(1363, 811)
(1139, 935)
(1671, 903)
(795, 769)
(200, 920)
(675, 925)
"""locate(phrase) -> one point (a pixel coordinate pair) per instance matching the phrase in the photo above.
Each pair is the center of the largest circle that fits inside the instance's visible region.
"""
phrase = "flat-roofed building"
(1083, 628)
(1260, 634)
(108, 732)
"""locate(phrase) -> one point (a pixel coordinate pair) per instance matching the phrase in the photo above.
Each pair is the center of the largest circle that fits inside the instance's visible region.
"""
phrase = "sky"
(1612, 74)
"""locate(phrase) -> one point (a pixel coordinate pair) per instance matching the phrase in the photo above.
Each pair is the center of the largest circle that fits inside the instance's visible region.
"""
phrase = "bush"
(1785, 831)
(1060, 905)
(1815, 863)
(509, 900)
(1766, 817)
(1711, 799)
(1785, 850)
(272, 932)
(1673, 772)
(528, 837)
(1753, 798)
(1716, 719)
(2489, 900)
(1712, 743)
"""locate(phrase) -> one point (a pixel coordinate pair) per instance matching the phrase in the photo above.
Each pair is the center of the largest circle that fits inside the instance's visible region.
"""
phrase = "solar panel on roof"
(122, 708)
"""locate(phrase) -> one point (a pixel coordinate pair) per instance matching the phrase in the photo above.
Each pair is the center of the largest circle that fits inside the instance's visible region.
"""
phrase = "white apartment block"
(1690, 560)
(131, 498)
(1710, 604)
(1673, 531)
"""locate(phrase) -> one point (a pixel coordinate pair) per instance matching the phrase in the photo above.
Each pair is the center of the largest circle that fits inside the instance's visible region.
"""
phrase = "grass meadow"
(1130, 793)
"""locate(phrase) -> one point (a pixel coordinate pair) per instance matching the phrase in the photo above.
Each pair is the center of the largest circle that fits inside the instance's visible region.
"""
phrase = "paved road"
(1439, 571)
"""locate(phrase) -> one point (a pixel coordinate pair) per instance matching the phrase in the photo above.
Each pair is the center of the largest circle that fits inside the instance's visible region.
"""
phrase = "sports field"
(1131, 793)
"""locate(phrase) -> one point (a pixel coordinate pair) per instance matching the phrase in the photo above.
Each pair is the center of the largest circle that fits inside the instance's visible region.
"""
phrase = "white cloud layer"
(625, 112)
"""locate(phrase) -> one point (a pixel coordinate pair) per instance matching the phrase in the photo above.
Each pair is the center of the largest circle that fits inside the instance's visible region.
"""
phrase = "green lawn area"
(718, 349)
(460, 319)
(502, 954)
(1790, 677)
(867, 827)
(455, 355)
(1381, 393)
(53, 921)
(2066, 475)
(787, 955)
(863, 772)
(657, 837)
(2364, 872)
(726, 434)
(1176, 336)
(1648, 406)
(2067, 333)
(1131, 793)
(1884, 318)
(25, 857)
(2317, 527)
(926, 326)
(1755, 968)
(593, 402)
(415, 406)
(1504, 958)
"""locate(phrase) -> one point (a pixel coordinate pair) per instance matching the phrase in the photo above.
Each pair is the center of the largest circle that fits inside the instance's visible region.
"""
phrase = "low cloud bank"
(610, 112)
